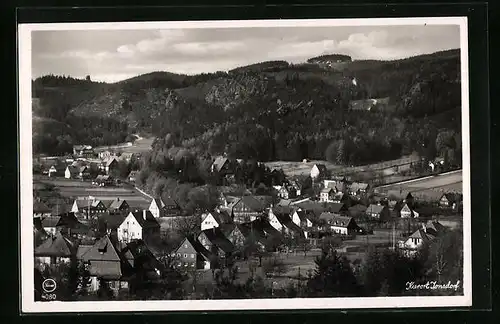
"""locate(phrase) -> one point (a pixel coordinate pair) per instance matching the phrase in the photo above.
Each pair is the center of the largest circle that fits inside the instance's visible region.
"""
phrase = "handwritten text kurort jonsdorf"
(433, 285)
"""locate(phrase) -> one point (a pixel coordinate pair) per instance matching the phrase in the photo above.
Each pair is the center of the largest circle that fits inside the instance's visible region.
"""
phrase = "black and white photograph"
(245, 165)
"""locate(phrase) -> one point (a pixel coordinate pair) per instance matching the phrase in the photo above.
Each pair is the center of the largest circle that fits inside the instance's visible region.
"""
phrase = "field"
(76, 188)
(432, 187)
(387, 168)
(140, 145)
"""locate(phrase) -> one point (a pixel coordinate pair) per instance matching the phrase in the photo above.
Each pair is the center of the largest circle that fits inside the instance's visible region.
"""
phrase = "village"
(118, 231)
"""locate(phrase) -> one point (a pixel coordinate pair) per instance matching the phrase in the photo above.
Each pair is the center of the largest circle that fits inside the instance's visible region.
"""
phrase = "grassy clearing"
(294, 168)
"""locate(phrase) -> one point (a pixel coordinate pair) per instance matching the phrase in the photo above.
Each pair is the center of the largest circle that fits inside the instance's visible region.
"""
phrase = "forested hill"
(267, 111)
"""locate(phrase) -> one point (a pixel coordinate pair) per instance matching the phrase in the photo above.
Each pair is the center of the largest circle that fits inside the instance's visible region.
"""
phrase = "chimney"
(144, 214)
(118, 199)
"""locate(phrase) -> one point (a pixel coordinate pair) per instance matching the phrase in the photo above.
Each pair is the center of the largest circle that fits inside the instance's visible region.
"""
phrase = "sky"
(114, 55)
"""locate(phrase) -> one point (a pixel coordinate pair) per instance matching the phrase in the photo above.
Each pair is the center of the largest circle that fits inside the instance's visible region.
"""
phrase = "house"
(247, 209)
(103, 180)
(326, 194)
(357, 210)
(138, 225)
(83, 151)
(163, 208)
(88, 207)
(71, 172)
(450, 200)
(302, 219)
(400, 195)
(126, 156)
(55, 249)
(282, 191)
(318, 171)
(110, 223)
(221, 165)
(294, 188)
(237, 234)
(84, 172)
(337, 208)
(214, 219)
(111, 165)
(379, 212)
(49, 224)
(171, 207)
(54, 171)
(358, 188)
(280, 219)
(407, 212)
(434, 227)
(418, 239)
(192, 254)
(104, 155)
(265, 235)
(40, 209)
(105, 261)
(216, 242)
(116, 206)
(343, 225)
(132, 176)
(338, 185)
(72, 228)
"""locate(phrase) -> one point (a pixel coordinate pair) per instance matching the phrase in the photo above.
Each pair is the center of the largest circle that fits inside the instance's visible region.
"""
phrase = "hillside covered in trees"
(265, 111)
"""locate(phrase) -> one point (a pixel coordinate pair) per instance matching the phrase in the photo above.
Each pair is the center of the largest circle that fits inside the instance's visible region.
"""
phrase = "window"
(178, 255)
(185, 246)
(185, 255)
(192, 256)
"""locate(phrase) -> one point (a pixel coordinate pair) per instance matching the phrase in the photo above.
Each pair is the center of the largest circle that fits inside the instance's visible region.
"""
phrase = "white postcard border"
(28, 304)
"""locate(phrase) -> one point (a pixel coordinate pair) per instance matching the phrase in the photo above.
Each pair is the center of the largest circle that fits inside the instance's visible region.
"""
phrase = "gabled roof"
(452, 197)
(72, 169)
(133, 174)
(110, 160)
(40, 207)
(287, 222)
(113, 204)
(106, 261)
(112, 221)
(56, 246)
(82, 249)
(285, 210)
(421, 234)
(217, 238)
(103, 250)
(222, 217)
(138, 251)
(252, 203)
(435, 228)
(321, 167)
(51, 221)
(335, 207)
(150, 220)
(327, 190)
(375, 209)
(284, 202)
(335, 219)
(358, 208)
(198, 247)
(219, 163)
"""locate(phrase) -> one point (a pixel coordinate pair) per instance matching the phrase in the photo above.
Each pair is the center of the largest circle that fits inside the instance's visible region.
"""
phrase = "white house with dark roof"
(138, 225)
(343, 225)
(318, 171)
(215, 218)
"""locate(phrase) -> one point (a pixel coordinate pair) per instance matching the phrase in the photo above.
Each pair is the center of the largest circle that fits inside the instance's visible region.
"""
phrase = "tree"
(333, 276)
(445, 257)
